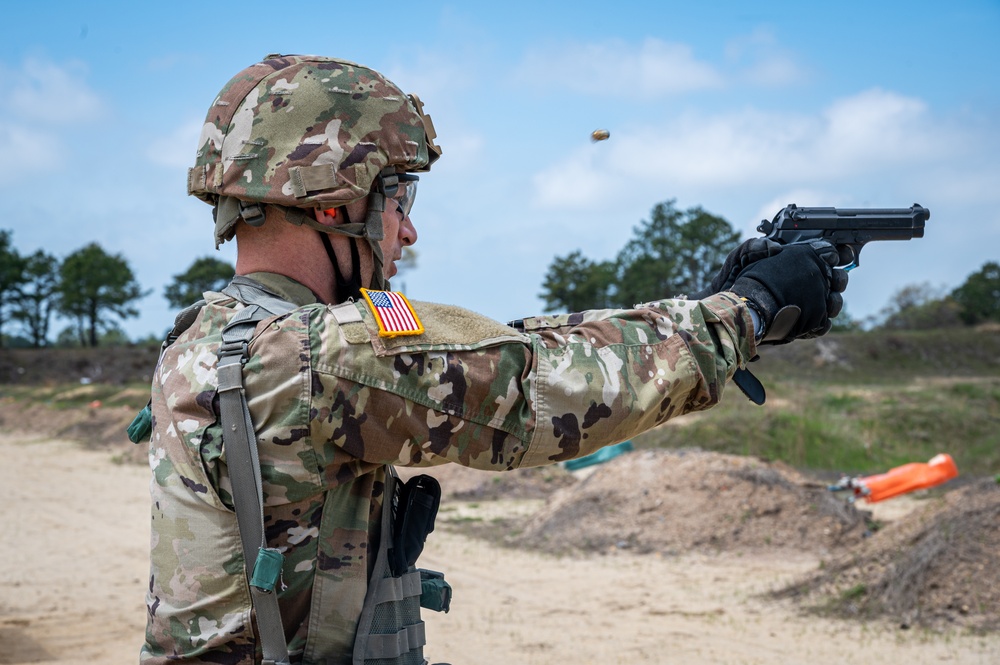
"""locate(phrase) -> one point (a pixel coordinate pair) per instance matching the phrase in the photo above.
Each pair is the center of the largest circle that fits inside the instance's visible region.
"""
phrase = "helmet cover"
(307, 132)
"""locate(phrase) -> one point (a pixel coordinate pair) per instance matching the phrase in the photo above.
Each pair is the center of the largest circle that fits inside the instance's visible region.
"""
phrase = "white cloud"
(774, 71)
(41, 103)
(578, 183)
(26, 150)
(177, 149)
(651, 69)
(876, 127)
(50, 94)
(432, 76)
(801, 197)
(656, 68)
(758, 59)
(464, 153)
(873, 132)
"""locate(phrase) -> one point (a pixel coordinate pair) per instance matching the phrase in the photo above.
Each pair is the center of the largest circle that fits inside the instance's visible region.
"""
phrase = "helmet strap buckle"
(252, 213)
(373, 219)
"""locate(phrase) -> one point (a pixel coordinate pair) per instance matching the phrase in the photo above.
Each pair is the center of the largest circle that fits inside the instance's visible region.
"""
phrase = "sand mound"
(679, 501)
(95, 427)
(939, 567)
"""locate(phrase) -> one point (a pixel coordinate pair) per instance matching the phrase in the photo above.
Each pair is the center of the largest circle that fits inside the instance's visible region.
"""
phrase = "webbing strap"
(395, 589)
(252, 292)
(240, 442)
(395, 645)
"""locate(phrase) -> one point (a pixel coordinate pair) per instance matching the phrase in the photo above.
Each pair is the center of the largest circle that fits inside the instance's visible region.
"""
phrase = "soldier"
(279, 533)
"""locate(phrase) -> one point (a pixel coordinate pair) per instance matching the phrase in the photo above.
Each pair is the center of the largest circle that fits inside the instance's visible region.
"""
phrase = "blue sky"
(740, 108)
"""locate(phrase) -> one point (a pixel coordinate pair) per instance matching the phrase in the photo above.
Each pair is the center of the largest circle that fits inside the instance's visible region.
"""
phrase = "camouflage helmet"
(306, 132)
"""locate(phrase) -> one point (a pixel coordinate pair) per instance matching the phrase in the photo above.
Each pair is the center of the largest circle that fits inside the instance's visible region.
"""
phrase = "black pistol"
(846, 227)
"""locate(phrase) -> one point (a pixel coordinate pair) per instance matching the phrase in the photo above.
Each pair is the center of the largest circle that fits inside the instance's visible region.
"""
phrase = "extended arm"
(487, 396)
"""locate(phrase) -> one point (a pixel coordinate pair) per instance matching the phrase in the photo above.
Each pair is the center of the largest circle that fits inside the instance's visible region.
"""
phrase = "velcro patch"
(393, 312)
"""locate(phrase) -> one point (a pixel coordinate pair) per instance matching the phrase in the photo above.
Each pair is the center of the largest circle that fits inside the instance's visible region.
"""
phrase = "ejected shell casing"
(600, 135)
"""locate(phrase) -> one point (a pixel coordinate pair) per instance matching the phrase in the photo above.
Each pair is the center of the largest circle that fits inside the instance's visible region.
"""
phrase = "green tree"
(11, 276)
(205, 274)
(36, 299)
(574, 283)
(674, 252)
(94, 285)
(845, 323)
(406, 264)
(920, 307)
(113, 335)
(979, 296)
(70, 336)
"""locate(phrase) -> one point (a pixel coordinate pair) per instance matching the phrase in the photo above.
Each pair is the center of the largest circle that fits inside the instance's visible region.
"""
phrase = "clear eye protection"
(403, 191)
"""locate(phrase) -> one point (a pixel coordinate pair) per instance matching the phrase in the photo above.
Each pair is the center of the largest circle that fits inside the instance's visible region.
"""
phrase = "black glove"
(748, 252)
(796, 292)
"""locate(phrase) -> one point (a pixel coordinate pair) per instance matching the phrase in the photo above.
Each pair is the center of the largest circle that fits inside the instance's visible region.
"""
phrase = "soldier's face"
(399, 233)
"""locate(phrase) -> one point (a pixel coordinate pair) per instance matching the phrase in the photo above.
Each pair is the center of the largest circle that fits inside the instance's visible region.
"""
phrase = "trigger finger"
(838, 281)
(846, 255)
(834, 304)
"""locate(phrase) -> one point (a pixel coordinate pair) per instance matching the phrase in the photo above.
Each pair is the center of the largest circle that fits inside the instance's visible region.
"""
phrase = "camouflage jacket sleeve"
(478, 393)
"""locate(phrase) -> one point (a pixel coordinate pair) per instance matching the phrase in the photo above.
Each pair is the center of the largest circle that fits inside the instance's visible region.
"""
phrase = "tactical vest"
(390, 631)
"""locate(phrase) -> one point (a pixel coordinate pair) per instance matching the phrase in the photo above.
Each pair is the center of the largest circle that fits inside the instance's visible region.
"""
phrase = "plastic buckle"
(241, 348)
(252, 213)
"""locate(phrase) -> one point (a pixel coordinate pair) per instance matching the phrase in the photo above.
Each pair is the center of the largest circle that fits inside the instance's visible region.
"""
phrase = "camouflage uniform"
(333, 404)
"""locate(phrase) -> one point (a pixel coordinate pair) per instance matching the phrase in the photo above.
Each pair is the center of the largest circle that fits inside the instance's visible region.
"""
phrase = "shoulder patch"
(393, 312)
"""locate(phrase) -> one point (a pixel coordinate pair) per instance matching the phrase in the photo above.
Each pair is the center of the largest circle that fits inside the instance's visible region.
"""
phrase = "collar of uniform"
(286, 287)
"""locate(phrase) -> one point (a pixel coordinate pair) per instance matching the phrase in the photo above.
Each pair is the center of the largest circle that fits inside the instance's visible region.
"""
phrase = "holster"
(417, 507)
(390, 631)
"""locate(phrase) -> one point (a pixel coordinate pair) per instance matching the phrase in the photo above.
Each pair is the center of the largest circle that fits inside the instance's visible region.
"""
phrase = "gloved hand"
(748, 252)
(796, 292)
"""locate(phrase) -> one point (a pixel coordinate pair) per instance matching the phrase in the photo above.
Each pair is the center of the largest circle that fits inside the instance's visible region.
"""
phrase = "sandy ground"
(73, 553)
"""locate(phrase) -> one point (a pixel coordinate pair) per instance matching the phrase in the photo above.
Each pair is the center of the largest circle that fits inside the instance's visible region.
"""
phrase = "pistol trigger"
(847, 255)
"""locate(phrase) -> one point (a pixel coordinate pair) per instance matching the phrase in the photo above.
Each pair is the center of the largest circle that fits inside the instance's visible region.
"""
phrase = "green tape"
(142, 426)
(435, 593)
(267, 569)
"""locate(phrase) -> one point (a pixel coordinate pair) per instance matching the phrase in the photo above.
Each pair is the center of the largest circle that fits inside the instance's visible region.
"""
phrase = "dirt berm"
(681, 501)
(938, 568)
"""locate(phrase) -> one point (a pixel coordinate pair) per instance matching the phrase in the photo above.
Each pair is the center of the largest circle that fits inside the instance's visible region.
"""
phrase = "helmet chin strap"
(375, 233)
(370, 230)
(350, 287)
(344, 288)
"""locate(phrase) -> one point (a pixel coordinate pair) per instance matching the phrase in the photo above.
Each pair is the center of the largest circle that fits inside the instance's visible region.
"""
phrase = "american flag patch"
(393, 312)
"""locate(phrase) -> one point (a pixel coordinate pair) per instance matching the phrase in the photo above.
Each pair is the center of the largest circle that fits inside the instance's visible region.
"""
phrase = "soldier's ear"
(326, 217)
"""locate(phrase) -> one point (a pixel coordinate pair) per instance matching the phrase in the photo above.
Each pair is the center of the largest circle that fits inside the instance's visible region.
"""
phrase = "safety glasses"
(402, 188)
(399, 187)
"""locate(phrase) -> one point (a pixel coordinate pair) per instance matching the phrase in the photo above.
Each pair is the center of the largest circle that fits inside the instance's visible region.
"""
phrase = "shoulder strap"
(252, 292)
(239, 439)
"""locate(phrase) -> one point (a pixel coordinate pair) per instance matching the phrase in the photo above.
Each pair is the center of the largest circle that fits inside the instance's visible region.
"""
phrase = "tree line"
(678, 252)
(90, 289)
(673, 252)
